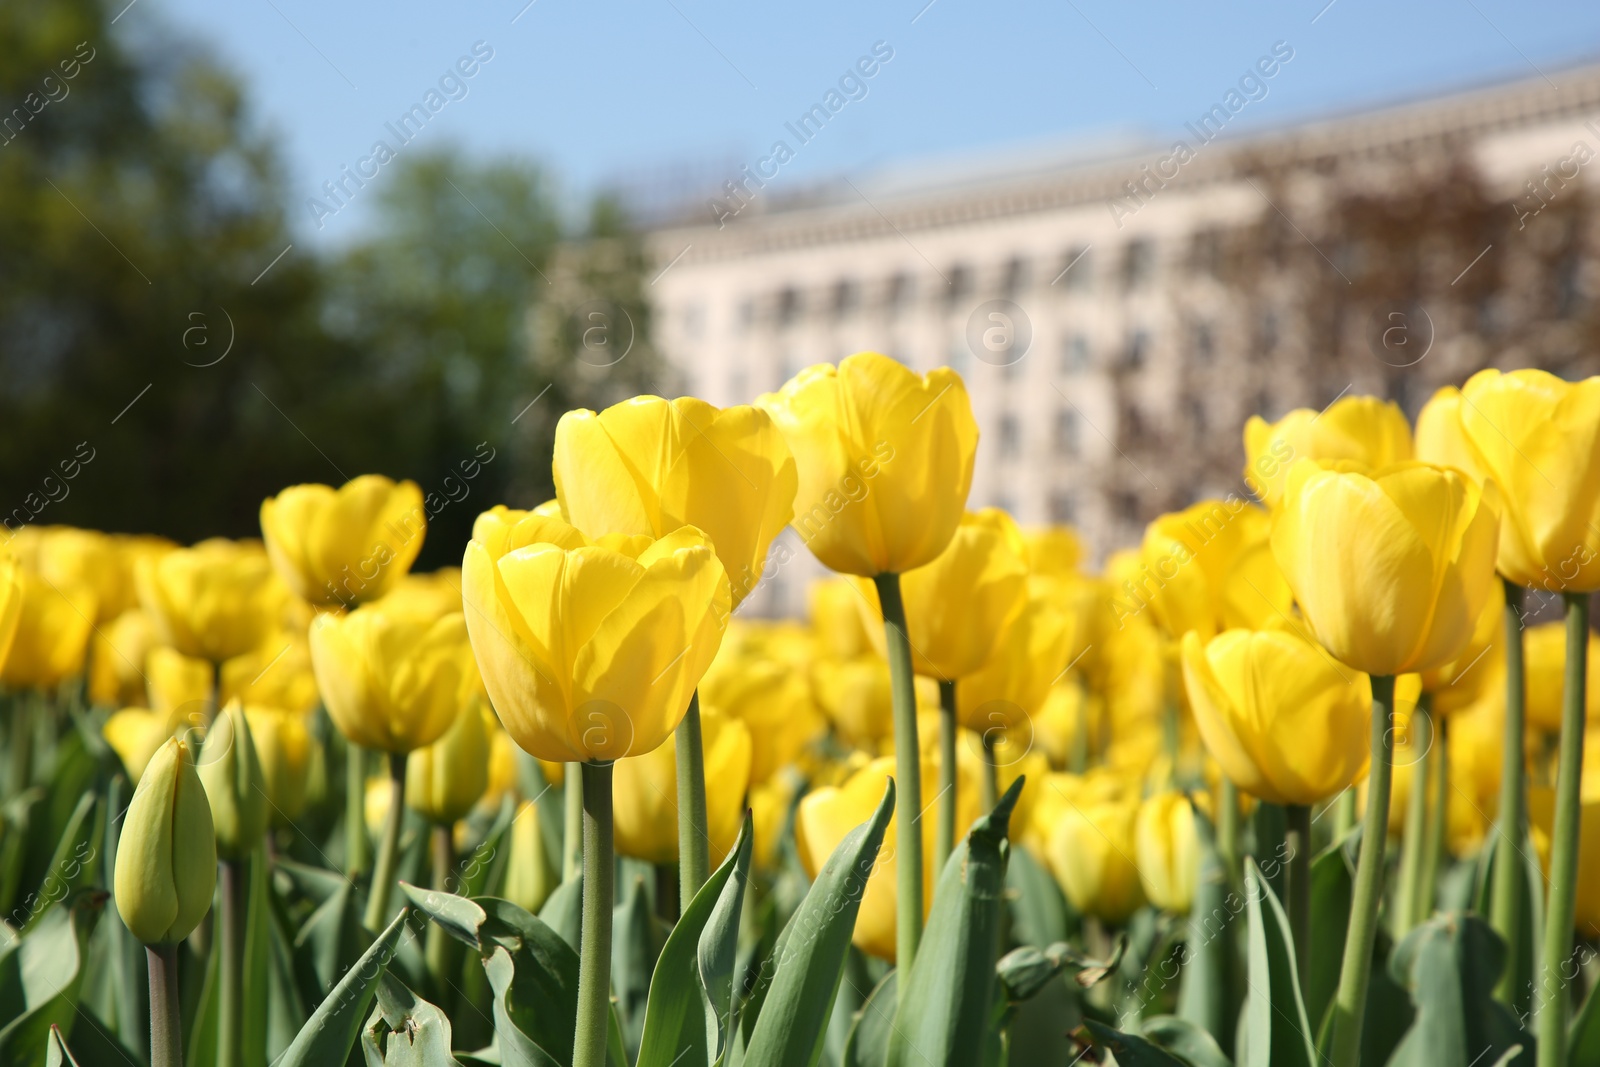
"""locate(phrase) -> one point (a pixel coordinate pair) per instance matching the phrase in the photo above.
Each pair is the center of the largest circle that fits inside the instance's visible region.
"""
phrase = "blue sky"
(607, 91)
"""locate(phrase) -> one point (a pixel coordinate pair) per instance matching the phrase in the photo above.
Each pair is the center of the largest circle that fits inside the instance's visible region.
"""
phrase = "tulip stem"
(1350, 1003)
(377, 916)
(1078, 760)
(990, 795)
(1554, 996)
(572, 822)
(908, 780)
(230, 942)
(1438, 811)
(23, 720)
(1228, 830)
(355, 809)
(439, 945)
(1344, 814)
(1297, 891)
(166, 1025)
(1510, 875)
(694, 842)
(1408, 910)
(594, 959)
(944, 840)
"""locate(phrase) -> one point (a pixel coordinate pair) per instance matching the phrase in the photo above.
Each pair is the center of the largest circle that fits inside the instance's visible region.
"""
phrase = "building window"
(1010, 435)
(1197, 414)
(846, 296)
(1063, 508)
(1269, 332)
(1202, 343)
(788, 306)
(1015, 277)
(897, 294)
(960, 283)
(1127, 505)
(1066, 432)
(746, 315)
(1074, 354)
(1077, 269)
(1133, 356)
(1205, 255)
(1138, 263)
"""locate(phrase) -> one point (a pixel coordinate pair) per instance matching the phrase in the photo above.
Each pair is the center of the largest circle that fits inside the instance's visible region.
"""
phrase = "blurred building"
(1117, 315)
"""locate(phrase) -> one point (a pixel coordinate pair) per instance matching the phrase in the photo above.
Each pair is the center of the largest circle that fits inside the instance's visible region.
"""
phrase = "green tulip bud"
(231, 772)
(446, 778)
(167, 855)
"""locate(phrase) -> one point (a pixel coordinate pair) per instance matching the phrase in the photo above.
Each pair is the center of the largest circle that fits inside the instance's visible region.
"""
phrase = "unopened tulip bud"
(231, 772)
(445, 779)
(166, 865)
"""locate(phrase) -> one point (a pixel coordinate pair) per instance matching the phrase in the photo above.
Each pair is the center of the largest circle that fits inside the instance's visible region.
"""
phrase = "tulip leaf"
(331, 940)
(1278, 1034)
(945, 1011)
(810, 954)
(634, 946)
(70, 865)
(1450, 965)
(406, 1031)
(1332, 890)
(1131, 1050)
(200, 1038)
(315, 883)
(480, 867)
(57, 1054)
(1583, 1036)
(1024, 971)
(1038, 910)
(1185, 1040)
(458, 916)
(1206, 990)
(563, 910)
(868, 1043)
(256, 963)
(331, 1032)
(695, 970)
(41, 975)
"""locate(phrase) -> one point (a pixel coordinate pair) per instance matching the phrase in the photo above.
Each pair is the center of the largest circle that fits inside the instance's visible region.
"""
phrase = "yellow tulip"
(885, 459)
(827, 814)
(1091, 855)
(1069, 707)
(649, 466)
(276, 674)
(1545, 652)
(590, 649)
(436, 593)
(392, 681)
(69, 556)
(503, 769)
(854, 695)
(284, 748)
(1360, 429)
(529, 879)
(1053, 550)
(833, 606)
(116, 659)
(214, 601)
(645, 793)
(1060, 791)
(1391, 568)
(1441, 438)
(1029, 655)
(1204, 564)
(52, 633)
(344, 546)
(12, 589)
(1285, 722)
(445, 779)
(1541, 817)
(1538, 438)
(1168, 851)
(769, 809)
(166, 867)
(231, 772)
(178, 685)
(772, 700)
(957, 606)
(1461, 682)
(136, 735)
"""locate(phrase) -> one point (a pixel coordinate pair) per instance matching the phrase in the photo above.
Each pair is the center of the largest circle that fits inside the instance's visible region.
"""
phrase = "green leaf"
(691, 991)
(1130, 1050)
(1332, 890)
(331, 1032)
(41, 975)
(1278, 1034)
(810, 953)
(330, 942)
(945, 1014)
(256, 964)
(1038, 910)
(1024, 971)
(633, 958)
(1583, 1036)
(57, 1054)
(71, 865)
(405, 1030)
(200, 1036)
(868, 1044)
(480, 866)
(1206, 991)
(563, 910)
(1450, 965)
(1184, 1040)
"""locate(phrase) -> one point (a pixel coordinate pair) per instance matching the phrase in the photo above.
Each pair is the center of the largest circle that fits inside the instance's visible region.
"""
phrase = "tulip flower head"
(166, 867)
(231, 772)
(285, 749)
(885, 459)
(1360, 429)
(345, 546)
(649, 466)
(50, 625)
(214, 601)
(1168, 851)
(590, 649)
(445, 779)
(645, 789)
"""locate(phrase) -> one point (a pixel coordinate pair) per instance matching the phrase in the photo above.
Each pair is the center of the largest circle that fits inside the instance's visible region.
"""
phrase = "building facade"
(1118, 316)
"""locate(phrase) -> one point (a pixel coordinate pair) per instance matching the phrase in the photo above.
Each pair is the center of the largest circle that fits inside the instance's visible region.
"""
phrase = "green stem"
(22, 719)
(1510, 876)
(1228, 830)
(1344, 814)
(1438, 816)
(1554, 996)
(1350, 1003)
(166, 1024)
(230, 941)
(438, 947)
(944, 838)
(1297, 895)
(990, 796)
(908, 780)
(594, 966)
(572, 822)
(355, 809)
(694, 842)
(377, 916)
(1078, 761)
(1413, 845)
